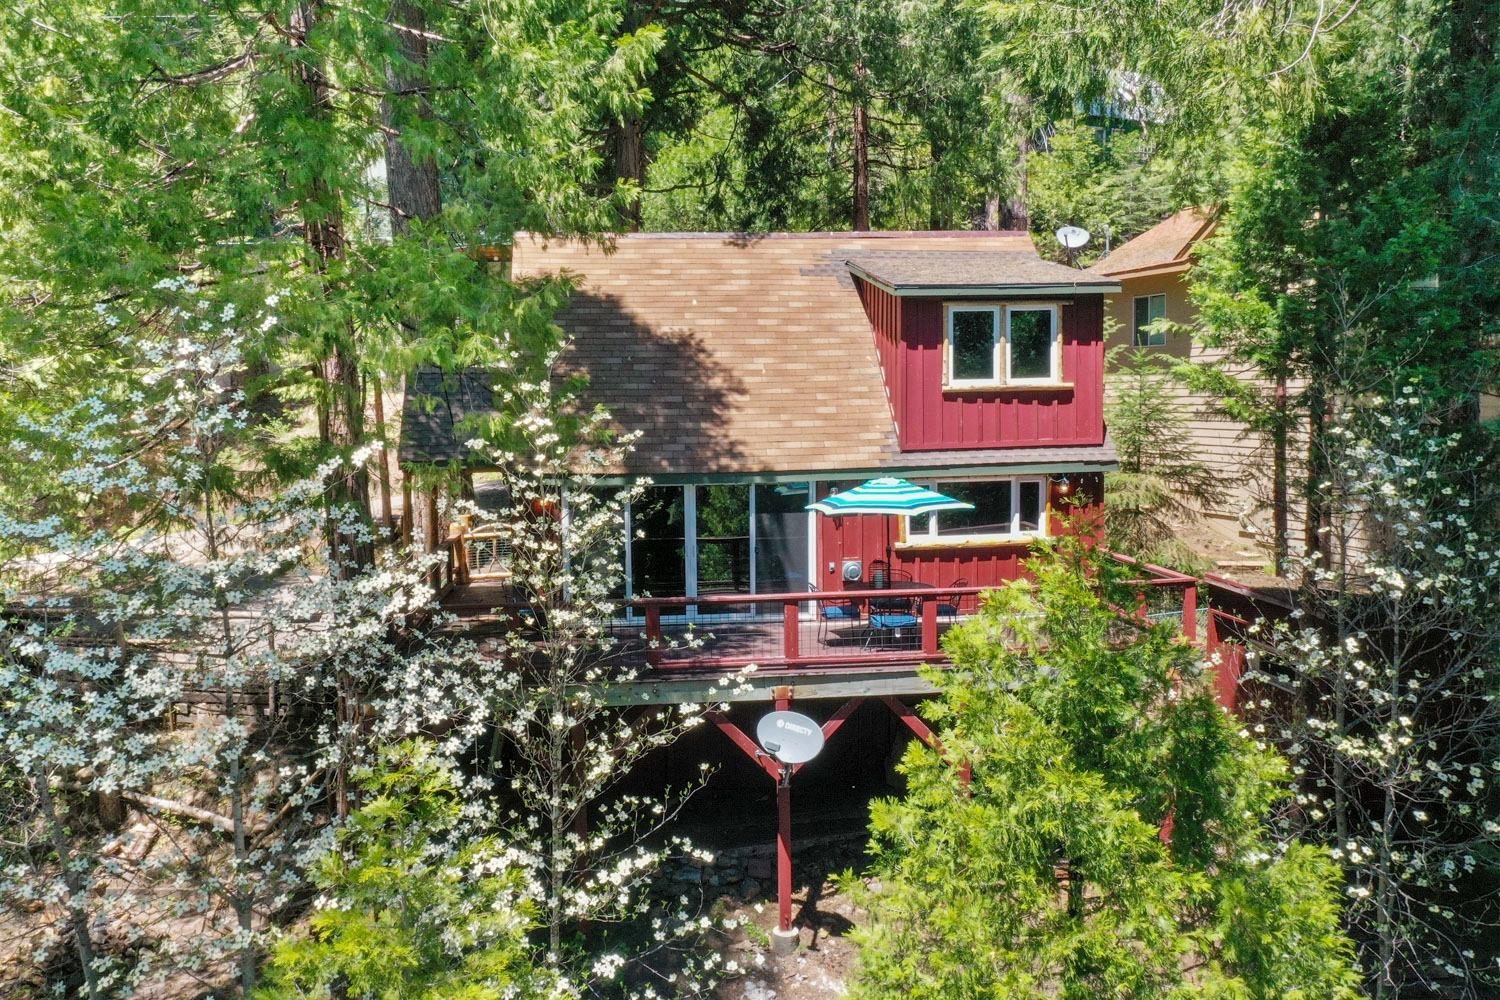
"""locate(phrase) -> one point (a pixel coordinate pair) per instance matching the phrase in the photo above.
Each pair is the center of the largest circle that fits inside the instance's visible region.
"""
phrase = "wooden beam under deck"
(800, 684)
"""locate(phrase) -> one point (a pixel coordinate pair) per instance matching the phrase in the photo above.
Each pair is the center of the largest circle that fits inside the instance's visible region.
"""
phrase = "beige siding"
(1242, 457)
(1489, 407)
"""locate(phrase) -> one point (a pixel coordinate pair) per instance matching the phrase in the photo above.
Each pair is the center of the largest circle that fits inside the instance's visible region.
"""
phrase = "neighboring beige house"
(1153, 273)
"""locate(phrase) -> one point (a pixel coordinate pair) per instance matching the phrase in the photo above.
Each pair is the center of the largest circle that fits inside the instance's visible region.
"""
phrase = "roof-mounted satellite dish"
(1072, 237)
(790, 737)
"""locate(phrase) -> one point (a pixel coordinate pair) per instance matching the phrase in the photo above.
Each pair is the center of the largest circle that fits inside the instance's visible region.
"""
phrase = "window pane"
(973, 344)
(723, 545)
(657, 564)
(1031, 343)
(1149, 309)
(781, 539)
(1142, 318)
(991, 513)
(1031, 505)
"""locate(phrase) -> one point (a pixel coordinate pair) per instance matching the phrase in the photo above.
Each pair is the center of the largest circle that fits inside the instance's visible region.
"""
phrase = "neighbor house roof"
(1166, 246)
(729, 353)
(437, 402)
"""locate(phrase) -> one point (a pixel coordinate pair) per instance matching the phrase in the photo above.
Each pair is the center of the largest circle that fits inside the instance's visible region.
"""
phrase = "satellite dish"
(1071, 237)
(790, 737)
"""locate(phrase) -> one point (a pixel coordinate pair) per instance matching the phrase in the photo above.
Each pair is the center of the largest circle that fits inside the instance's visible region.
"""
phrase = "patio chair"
(892, 618)
(949, 605)
(834, 611)
(890, 627)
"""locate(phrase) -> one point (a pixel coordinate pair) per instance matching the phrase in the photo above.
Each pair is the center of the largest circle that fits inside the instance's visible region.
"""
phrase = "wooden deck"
(682, 648)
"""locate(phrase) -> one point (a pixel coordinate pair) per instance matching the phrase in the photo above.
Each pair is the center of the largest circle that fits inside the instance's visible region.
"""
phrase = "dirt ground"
(824, 960)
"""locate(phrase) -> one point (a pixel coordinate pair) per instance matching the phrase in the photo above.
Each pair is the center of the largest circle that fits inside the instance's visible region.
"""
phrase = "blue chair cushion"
(893, 621)
(950, 610)
(839, 612)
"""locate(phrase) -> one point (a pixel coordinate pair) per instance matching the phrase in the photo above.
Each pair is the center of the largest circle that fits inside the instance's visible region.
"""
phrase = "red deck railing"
(885, 626)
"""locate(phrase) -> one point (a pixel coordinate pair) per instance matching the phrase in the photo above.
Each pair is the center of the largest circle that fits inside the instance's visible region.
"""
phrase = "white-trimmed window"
(1004, 510)
(973, 345)
(1148, 309)
(993, 345)
(1031, 344)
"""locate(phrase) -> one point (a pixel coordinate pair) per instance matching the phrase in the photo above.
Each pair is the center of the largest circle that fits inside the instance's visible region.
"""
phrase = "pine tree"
(1162, 482)
(1040, 867)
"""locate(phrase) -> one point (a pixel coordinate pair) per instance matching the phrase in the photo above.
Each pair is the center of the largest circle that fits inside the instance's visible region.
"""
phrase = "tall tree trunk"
(341, 416)
(411, 183)
(1015, 212)
(1279, 501)
(242, 897)
(860, 216)
(938, 214)
(628, 146)
(78, 912)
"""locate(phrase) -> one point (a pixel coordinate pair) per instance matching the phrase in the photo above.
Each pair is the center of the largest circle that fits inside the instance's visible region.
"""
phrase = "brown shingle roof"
(731, 353)
(1167, 244)
(934, 271)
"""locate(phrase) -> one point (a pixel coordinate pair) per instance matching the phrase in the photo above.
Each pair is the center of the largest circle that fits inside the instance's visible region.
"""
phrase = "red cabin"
(766, 371)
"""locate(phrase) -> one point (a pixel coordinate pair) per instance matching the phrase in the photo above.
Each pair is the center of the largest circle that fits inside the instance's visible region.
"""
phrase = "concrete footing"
(783, 943)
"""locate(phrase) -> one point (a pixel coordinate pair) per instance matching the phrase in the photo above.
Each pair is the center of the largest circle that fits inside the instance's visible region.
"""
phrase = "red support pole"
(929, 626)
(790, 648)
(784, 854)
(653, 634)
(1190, 611)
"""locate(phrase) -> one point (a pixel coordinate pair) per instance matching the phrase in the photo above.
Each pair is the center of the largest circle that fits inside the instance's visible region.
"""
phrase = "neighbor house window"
(1031, 344)
(1004, 510)
(1149, 309)
(973, 345)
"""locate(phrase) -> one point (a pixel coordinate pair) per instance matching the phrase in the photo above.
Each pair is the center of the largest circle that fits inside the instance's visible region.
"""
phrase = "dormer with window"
(987, 349)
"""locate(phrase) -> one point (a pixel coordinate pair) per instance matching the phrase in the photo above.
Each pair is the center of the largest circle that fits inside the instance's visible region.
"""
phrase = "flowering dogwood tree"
(166, 586)
(551, 697)
(1382, 685)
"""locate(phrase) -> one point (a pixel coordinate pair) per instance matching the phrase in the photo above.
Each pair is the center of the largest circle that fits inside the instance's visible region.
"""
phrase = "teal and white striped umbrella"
(887, 496)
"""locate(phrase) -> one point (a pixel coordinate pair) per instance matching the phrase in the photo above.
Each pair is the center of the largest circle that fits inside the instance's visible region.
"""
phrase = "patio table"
(897, 604)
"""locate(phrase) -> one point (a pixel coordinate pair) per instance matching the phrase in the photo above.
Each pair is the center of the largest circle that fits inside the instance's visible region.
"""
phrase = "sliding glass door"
(720, 538)
(782, 533)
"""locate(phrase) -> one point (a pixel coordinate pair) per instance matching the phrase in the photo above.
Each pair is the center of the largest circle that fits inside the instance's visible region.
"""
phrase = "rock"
(749, 889)
(761, 868)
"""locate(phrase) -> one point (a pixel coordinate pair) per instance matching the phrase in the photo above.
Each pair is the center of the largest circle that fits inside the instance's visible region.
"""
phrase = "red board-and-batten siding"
(863, 536)
(909, 335)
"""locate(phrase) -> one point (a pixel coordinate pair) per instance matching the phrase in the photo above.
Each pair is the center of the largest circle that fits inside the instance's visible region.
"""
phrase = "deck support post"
(784, 940)
(929, 626)
(653, 635)
(791, 615)
(1190, 611)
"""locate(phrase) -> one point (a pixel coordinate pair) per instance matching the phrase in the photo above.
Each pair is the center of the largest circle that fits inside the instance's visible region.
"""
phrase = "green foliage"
(413, 907)
(242, 145)
(1107, 181)
(1162, 481)
(1046, 874)
(753, 126)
